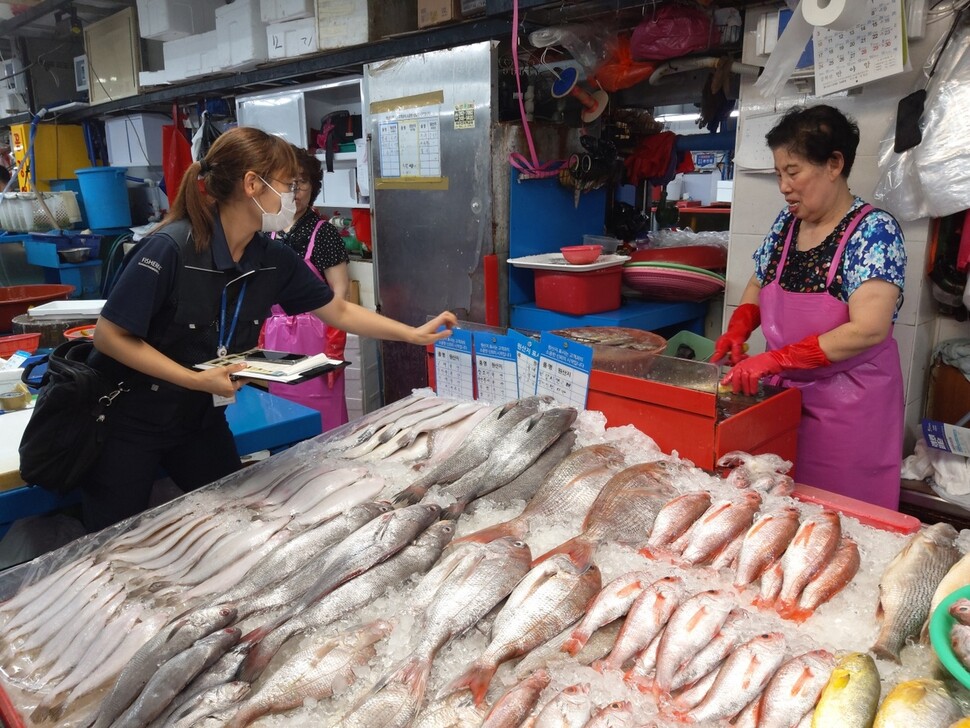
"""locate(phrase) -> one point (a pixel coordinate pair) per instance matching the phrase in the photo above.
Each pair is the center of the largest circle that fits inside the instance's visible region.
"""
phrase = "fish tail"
(602, 665)
(883, 650)
(477, 679)
(577, 640)
(454, 511)
(578, 549)
(641, 682)
(794, 613)
(409, 496)
(486, 535)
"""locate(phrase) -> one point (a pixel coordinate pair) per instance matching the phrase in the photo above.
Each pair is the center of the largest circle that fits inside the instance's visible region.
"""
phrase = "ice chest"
(675, 401)
(579, 293)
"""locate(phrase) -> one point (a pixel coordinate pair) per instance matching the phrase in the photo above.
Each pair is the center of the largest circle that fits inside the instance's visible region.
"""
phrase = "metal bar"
(29, 16)
(342, 61)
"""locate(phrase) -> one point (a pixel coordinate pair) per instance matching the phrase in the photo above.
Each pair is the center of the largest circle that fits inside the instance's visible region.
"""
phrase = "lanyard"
(224, 342)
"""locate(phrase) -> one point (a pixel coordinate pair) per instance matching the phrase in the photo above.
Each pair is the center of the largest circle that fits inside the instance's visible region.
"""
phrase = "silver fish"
(474, 450)
(547, 600)
(460, 591)
(907, 586)
(172, 676)
(567, 493)
(509, 457)
(457, 710)
(173, 639)
(524, 486)
(322, 670)
(416, 558)
(208, 702)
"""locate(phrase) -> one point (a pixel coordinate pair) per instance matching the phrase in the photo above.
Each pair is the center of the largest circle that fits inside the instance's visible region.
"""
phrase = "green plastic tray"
(940, 623)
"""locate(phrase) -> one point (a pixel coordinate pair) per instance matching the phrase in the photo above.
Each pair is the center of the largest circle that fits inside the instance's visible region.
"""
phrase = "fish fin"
(578, 549)
(409, 496)
(259, 657)
(601, 666)
(762, 602)
(577, 640)
(486, 535)
(476, 678)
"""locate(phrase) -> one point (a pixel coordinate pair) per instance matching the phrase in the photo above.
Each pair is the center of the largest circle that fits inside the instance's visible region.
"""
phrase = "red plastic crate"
(579, 293)
(9, 345)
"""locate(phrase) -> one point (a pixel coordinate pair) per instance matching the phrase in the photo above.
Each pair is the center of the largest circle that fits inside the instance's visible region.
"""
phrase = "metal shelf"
(340, 62)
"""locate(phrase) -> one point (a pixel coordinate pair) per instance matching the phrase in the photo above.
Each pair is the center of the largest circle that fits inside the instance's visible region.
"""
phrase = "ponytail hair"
(218, 176)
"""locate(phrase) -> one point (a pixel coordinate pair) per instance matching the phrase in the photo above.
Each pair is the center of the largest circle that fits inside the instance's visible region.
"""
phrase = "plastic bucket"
(105, 195)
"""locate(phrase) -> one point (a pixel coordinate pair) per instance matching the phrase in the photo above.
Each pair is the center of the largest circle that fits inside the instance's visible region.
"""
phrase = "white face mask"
(274, 222)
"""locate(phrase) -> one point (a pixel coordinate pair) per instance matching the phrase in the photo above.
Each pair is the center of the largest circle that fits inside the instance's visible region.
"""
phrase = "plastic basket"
(10, 345)
(702, 347)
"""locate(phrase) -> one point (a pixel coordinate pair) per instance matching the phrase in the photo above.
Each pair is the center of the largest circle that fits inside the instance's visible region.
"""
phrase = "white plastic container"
(277, 11)
(171, 19)
(292, 38)
(241, 35)
(135, 140)
(191, 57)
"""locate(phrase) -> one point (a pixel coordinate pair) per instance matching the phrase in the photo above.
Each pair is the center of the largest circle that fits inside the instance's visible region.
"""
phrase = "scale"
(678, 403)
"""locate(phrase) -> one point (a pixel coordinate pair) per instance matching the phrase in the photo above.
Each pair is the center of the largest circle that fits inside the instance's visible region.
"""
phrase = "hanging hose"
(110, 275)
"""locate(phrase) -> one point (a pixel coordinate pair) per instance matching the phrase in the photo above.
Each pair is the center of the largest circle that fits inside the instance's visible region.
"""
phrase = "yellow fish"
(918, 703)
(851, 697)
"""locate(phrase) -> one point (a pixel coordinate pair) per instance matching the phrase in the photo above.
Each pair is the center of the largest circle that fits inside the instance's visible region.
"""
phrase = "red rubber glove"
(745, 319)
(804, 354)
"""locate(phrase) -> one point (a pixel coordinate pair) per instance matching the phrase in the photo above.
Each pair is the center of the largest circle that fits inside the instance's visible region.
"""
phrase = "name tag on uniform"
(218, 401)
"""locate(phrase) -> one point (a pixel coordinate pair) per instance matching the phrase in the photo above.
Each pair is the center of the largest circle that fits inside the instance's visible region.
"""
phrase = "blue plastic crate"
(62, 239)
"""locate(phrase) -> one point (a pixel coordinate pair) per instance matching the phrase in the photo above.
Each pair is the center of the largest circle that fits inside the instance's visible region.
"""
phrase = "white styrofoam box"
(171, 19)
(725, 190)
(240, 33)
(340, 187)
(154, 78)
(192, 56)
(276, 11)
(292, 38)
(135, 140)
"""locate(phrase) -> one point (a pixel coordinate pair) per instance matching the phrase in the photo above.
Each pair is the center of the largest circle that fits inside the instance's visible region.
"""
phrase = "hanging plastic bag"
(672, 31)
(621, 71)
(176, 153)
(203, 138)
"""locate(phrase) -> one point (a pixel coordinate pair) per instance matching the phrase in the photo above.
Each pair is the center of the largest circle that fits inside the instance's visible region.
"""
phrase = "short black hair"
(311, 169)
(817, 133)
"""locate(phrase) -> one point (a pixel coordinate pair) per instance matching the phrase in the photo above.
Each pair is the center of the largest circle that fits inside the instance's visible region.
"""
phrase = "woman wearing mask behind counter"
(319, 244)
(827, 286)
(198, 287)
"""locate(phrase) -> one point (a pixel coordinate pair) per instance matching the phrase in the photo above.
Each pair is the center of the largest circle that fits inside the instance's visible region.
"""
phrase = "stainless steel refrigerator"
(430, 123)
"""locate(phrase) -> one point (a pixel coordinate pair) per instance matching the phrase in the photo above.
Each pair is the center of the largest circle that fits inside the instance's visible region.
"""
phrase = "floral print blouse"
(875, 250)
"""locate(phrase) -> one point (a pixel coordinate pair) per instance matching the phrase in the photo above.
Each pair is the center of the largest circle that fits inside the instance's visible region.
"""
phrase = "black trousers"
(150, 429)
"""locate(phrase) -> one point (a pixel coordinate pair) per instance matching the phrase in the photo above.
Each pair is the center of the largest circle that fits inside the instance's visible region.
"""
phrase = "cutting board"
(12, 426)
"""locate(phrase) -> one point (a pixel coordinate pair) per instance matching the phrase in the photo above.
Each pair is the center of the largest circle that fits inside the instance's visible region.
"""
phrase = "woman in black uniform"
(199, 286)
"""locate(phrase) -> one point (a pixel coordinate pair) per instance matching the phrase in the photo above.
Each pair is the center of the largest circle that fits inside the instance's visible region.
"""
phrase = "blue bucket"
(71, 185)
(105, 196)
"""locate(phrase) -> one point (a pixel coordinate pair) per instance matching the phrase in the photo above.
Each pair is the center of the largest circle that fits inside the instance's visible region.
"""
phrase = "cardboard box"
(342, 23)
(436, 12)
(292, 38)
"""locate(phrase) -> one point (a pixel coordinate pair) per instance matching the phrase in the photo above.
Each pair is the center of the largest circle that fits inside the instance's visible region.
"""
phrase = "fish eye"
(519, 544)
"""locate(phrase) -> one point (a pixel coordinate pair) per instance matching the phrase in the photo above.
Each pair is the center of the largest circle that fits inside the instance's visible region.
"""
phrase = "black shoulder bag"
(65, 433)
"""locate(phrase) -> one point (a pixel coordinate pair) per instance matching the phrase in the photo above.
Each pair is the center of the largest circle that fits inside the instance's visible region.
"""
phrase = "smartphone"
(274, 357)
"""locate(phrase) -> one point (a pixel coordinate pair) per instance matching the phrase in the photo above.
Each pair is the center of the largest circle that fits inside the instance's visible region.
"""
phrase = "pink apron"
(850, 439)
(306, 334)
